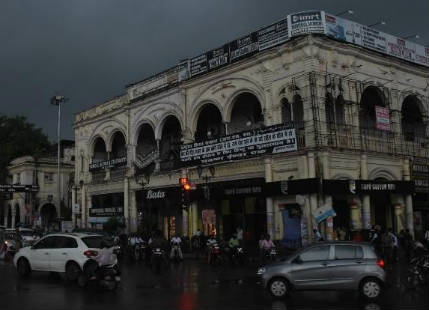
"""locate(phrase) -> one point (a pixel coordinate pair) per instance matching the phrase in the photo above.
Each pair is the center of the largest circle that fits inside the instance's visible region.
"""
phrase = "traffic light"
(186, 188)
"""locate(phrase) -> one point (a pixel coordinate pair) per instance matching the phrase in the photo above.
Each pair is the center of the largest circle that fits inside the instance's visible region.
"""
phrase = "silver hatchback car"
(327, 266)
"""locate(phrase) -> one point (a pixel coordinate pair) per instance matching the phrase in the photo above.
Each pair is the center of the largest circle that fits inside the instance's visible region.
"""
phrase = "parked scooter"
(270, 255)
(238, 256)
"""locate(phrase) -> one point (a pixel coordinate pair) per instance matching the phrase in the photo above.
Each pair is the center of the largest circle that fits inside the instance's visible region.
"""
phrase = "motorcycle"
(157, 259)
(215, 255)
(107, 277)
(238, 256)
(418, 271)
(270, 255)
(175, 249)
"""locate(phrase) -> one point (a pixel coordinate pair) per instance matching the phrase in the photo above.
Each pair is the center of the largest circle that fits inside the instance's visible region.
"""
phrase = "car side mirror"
(297, 260)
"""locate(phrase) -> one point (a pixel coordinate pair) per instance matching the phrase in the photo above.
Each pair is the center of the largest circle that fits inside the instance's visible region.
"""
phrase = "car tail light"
(90, 253)
(381, 263)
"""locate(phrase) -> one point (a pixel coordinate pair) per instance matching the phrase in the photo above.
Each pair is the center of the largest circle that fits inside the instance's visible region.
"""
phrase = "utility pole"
(57, 100)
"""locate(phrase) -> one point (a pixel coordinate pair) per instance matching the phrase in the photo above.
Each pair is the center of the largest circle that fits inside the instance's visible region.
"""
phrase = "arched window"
(246, 113)
(170, 143)
(119, 148)
(209, 124)
(100, 153)
(293, 112)
(372, 97)
(412, 119)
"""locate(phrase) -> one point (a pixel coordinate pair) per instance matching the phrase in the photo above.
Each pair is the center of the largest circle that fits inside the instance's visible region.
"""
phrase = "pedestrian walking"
(387, 245)
(395, 245)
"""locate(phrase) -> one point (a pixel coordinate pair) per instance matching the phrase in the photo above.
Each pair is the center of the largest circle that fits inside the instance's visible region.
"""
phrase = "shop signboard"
(379, 187)
(18, 188)
(108, 164)
(106, 212)
(242, 145)
(420, 174)
(343, 29)
(273, 35)
(306, 23)
(382, 118)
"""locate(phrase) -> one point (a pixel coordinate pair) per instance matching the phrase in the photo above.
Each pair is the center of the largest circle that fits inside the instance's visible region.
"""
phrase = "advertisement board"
(306, 23)
(273, 35)
(198, 65)
(218, 57)
(112, 163)
(246, 144)
(420, 174)
(243, 47)
(382, 118)
(342, 29)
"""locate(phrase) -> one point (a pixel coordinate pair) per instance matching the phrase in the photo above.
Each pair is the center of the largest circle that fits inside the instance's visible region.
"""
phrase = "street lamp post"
(349, 12)
(57, 100)
(380, 22)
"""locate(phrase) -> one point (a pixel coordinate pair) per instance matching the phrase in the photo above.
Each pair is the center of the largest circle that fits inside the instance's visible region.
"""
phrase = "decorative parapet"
(107, 107)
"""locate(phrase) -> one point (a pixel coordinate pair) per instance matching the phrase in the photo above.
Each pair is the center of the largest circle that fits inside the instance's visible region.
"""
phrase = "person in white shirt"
(175, 246)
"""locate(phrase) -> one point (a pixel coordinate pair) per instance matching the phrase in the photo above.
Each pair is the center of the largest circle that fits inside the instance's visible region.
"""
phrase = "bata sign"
(155, 194)
(243, 145)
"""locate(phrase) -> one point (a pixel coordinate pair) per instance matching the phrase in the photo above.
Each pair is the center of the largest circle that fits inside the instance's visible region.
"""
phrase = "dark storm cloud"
(89, 49)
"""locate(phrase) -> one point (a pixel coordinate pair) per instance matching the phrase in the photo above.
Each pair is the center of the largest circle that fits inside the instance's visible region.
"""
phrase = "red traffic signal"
(186, 185)
(183, 181)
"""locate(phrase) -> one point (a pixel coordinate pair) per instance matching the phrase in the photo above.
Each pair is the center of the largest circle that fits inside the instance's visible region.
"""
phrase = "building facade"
(34, 199)
(270, 139)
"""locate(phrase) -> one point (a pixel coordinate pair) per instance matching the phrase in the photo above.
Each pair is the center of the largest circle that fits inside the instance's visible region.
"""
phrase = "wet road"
(188, 285)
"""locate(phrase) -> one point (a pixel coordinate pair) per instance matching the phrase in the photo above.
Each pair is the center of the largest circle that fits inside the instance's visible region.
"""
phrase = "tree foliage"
(18, 137)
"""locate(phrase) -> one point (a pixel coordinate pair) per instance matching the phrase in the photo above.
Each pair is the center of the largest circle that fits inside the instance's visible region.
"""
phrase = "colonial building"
(274, 129)
(32, 195)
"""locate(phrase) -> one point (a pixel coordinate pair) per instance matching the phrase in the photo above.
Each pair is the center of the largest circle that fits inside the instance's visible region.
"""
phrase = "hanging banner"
(242, 145)
(382, 118)
(322, 213)
(306, 23)
(243, 47)
(218, 57)
(198, 65)
(273, 35)
(112, 163)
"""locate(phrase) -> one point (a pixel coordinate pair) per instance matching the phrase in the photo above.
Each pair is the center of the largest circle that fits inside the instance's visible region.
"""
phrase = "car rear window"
(348, 252)
(93, 241)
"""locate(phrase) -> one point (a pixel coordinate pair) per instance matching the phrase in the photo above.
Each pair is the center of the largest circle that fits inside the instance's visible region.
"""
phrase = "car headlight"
(261, 271)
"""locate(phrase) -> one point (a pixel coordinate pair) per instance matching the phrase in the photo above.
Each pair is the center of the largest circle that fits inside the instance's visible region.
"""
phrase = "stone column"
(366, 208)
(269, 200)
(13, 216)
(73, 202)
(126, 205)
(399, 209)
(185, 223)
(133, 211)
(313, 197)
(329, 228)
(194, 218)
(157, 160)
(408, 198)
(84, 220)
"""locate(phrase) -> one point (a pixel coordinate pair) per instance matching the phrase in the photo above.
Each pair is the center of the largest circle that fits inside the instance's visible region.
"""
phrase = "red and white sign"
(382, 118)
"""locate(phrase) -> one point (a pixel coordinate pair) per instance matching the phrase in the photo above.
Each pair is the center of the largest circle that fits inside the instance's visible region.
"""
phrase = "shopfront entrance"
(160, 209)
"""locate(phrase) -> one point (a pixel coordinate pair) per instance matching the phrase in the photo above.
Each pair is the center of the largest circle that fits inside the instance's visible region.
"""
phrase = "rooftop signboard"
(293, 25)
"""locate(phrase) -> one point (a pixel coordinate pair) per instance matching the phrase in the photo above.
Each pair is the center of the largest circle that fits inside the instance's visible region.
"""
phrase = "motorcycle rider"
(105, 257)
(266, 245)
(176, 241)
(233, 244)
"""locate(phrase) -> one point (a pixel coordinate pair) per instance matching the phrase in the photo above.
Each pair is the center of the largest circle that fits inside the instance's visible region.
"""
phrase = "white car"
(58, 253)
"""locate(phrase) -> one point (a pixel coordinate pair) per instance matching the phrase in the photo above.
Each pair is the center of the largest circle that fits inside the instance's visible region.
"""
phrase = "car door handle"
(359, 262)
(64, 253)
(46, 253)
(325, 264)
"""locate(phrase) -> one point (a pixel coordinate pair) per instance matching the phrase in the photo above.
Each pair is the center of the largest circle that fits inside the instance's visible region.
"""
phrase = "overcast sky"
(89, 50)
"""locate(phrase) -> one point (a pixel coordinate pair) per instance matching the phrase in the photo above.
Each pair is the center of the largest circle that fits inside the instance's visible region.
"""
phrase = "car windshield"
(93, 241)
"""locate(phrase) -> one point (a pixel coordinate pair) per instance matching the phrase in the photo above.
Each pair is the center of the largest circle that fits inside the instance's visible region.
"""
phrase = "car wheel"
(278, 287)
(72, 271)
(370, 288)
(23, 267)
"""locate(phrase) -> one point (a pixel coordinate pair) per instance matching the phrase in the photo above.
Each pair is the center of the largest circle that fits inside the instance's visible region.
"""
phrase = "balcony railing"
(373, 140)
